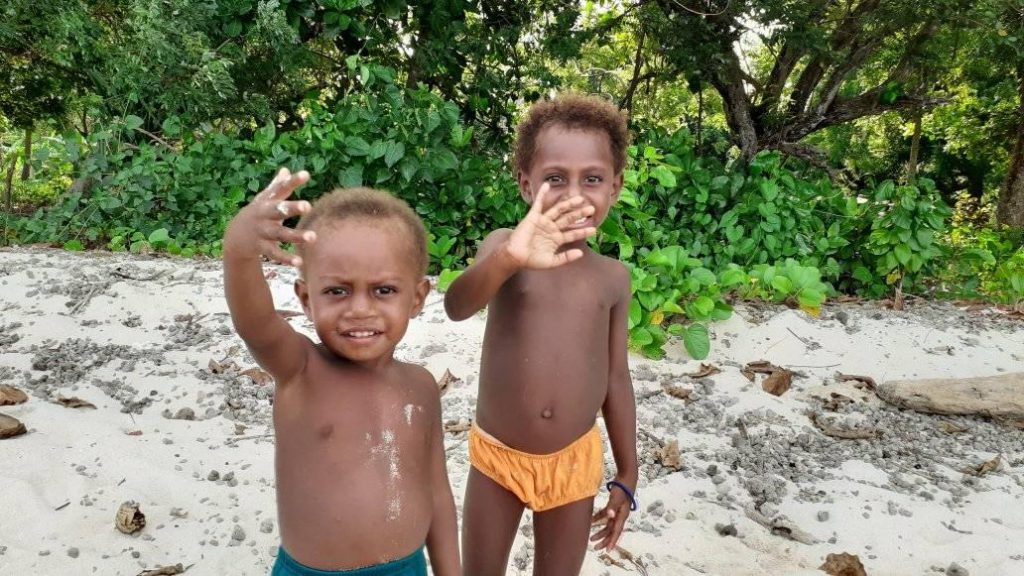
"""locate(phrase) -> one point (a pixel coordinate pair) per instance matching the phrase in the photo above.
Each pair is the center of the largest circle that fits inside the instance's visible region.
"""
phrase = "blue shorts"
(414, 564)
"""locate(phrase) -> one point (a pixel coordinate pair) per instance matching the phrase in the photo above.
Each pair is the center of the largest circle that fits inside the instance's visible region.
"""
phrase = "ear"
(524, 187)
(617, 187)
(420, 298)
(302, 291)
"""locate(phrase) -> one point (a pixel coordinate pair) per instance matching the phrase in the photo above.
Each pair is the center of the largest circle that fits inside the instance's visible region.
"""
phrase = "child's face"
(361, 287)
(574, 162)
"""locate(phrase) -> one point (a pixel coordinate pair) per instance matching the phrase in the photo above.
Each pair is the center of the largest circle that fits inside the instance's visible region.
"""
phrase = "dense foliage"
(786, 151)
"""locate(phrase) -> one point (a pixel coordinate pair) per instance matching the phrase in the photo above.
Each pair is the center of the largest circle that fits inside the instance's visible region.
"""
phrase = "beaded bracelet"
(632, 500)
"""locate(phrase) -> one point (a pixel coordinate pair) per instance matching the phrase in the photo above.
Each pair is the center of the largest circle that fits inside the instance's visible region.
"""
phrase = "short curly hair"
(374, 205)
(575, 112)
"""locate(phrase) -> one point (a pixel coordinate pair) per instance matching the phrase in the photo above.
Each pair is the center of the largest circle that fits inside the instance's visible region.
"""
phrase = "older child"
(360, 467)
(554, 351)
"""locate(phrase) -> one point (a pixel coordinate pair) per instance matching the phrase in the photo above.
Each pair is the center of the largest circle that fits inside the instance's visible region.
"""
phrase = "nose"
(359, 306)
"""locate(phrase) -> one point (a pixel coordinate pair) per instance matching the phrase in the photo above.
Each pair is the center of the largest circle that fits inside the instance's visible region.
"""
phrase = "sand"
(181, 427)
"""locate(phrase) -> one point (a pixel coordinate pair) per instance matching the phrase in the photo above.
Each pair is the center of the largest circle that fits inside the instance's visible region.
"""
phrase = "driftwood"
(1000, 397)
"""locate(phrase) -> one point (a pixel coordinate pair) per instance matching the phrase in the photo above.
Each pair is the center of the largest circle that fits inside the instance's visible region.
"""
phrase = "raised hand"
(538, 240)
(259, 228)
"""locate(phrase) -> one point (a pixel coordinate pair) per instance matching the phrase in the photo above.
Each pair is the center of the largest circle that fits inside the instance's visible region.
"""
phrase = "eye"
(336, 291)
(385, 290)
(554, 179)
(594, 179)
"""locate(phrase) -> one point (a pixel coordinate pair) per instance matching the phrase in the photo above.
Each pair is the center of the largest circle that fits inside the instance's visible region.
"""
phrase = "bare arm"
(257, 230)
(443, 536)
(535, 243)
(619, 411)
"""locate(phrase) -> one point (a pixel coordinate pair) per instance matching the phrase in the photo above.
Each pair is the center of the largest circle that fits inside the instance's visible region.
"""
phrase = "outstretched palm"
(537, 240)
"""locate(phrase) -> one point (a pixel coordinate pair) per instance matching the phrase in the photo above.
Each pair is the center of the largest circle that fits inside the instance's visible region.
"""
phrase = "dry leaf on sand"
(446, 381)
(983, 468)
(778, 382)
(10, 427)
(11, 395)
(258, 376)
(706, 370)
(74, 402)
(866, 381)
(669, 456)
(843, 565)
(677, 391)
(129, 519)
(164, 571)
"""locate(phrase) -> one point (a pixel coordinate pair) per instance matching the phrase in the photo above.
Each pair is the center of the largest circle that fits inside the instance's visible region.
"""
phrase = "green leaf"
(782, 284)
(769, 189)
(640, 337)
(664, 176)
(636, 313)
(131, 122)
(356, 146)
(704, 276)
(732, 277)
(704, 305)
(377, 149)
(159, 236)
(352, 176)
(74, 245)
(903, 253)
(393, 152)
(445, 279)
(697, 341)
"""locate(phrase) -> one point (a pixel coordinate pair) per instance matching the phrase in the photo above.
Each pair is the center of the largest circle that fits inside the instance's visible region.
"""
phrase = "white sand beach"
(181, 425)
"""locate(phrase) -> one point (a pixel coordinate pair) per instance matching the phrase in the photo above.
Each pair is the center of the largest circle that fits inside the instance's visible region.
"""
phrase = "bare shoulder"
(615, 274)
(493, 240)
(420, 380)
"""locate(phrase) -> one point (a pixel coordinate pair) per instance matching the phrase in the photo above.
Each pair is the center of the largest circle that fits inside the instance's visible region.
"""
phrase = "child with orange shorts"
(554, 351)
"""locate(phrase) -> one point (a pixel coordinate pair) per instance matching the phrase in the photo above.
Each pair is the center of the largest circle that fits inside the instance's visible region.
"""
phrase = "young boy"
(554, 350)
(359, 458)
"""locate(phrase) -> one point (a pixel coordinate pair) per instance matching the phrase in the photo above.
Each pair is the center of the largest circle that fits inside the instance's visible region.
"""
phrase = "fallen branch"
(779, 526)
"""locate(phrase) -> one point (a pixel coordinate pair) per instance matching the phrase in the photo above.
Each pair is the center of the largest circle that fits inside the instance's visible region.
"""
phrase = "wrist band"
(632, 500)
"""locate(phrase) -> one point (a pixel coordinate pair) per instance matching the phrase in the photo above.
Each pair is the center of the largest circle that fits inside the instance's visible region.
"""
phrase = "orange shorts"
(542, 482)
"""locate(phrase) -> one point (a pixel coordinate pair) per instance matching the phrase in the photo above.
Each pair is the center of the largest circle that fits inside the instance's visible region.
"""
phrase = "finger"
(278, 254)
(571, 217)
(284, 183)
(568, 256)
(571, 236)
(600, 516)
(268, 192)
(601, 535)
(282, 210)
(538, 199)
(616, 531)
(293, 236)
(560, 208)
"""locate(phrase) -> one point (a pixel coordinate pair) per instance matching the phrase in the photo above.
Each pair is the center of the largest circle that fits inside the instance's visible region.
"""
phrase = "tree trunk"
(634, 81)
(700, 117)
(915, 149)
(26, 166)
(8, 200)
(1010, 210)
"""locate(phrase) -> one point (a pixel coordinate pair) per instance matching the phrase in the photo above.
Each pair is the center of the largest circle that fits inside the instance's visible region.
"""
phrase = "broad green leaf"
(664, 176)
(158, 236)
(697, 341)
(704, 305)
(902, 252)
(393, 152)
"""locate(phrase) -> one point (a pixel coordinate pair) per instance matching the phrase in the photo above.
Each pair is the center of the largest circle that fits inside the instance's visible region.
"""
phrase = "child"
(554, 350)
(359, 458)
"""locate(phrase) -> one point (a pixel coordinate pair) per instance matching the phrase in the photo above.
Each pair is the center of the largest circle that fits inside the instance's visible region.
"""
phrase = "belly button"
(547, 413)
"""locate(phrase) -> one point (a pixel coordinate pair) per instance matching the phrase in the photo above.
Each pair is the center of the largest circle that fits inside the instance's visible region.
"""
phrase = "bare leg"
(490, 517)
(560, 537)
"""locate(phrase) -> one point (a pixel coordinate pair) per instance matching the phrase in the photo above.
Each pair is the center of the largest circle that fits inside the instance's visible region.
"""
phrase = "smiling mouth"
(360, 334)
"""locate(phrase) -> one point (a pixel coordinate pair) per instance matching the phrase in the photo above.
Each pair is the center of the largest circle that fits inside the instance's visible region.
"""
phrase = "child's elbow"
(453, 310)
